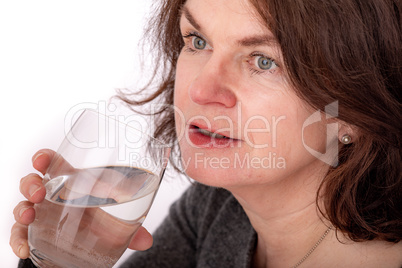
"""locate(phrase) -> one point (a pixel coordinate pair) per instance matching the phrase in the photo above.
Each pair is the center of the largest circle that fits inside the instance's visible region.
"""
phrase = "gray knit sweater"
(206, 227)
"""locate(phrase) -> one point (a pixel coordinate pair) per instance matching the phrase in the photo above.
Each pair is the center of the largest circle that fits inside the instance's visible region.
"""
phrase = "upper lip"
(215, 130)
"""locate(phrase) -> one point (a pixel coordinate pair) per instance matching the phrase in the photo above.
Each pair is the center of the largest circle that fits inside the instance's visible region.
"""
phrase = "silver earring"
(346, 139)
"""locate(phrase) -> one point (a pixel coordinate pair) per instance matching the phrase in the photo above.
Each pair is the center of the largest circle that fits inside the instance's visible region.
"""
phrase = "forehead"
(230, 17)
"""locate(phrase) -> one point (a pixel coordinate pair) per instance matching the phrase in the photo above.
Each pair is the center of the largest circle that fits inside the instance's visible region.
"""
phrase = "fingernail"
(33, 189)
(36, 157)
(22, 211)
(22, 251)
(19, 249)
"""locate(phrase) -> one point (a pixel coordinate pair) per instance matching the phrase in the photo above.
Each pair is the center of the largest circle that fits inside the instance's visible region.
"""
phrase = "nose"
(214, 84)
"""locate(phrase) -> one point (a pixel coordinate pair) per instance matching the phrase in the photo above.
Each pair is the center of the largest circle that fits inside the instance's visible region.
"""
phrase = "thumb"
(142, 240)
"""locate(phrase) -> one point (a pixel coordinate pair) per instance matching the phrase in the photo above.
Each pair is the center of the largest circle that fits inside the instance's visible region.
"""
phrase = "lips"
(204, 138)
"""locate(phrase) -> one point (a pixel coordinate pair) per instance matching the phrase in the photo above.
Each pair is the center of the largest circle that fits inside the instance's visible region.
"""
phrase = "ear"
(347, 133)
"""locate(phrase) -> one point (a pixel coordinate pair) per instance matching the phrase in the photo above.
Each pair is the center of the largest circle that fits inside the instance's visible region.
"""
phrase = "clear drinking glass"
(99, 188)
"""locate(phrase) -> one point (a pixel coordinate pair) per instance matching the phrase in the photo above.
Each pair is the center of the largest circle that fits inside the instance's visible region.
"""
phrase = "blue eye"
(199, 43)
(265, 63)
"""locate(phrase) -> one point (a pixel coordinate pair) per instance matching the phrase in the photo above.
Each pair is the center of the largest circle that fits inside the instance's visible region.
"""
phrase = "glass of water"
(99, 189)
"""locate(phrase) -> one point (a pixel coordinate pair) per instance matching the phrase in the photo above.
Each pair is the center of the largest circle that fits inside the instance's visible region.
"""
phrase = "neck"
(286, 219)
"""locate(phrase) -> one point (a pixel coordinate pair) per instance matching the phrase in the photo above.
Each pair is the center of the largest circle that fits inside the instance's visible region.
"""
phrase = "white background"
(54, 55)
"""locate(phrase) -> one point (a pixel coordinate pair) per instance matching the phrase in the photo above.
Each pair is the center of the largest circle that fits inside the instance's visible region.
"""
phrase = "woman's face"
(237, 119)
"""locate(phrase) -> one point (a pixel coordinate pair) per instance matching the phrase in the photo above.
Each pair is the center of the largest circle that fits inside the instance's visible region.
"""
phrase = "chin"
(212, 174)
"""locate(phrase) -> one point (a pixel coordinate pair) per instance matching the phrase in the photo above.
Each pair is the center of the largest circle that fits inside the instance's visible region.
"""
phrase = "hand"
(33, 190)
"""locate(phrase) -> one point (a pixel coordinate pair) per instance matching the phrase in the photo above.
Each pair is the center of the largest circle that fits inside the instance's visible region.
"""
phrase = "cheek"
(270, 121)
(298, 140)
(283, 130)
(180, 96)
(180, 82)
(185, 74)
(181, 103)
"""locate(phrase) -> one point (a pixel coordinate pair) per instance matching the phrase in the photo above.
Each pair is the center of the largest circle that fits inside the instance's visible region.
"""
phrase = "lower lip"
(204, 141)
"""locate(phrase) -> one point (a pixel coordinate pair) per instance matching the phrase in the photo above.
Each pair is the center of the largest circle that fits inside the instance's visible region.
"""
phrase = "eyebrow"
(258, 40)
(251, 41)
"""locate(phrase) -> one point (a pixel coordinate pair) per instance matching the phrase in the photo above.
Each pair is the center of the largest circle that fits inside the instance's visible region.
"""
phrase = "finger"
(142, 240)
(41, 159)
(19, 240)
(24, 213)
(32, 188)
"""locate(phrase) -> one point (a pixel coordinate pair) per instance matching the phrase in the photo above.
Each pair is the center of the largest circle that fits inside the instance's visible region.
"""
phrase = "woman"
(287, 115)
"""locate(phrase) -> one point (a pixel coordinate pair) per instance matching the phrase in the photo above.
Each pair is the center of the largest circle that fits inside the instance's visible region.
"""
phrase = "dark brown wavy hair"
(348, 51)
